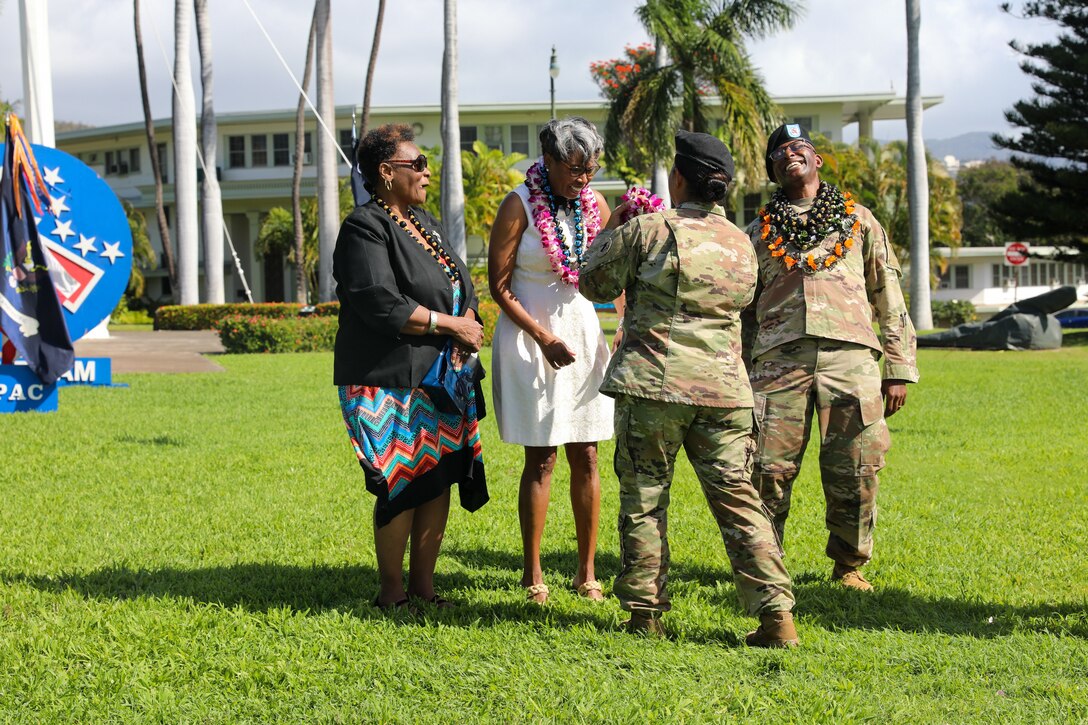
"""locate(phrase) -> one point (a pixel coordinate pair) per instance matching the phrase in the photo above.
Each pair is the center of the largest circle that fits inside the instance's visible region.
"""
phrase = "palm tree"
(211, 200)
(153, 152)
(453, 197)
(370, 68)
(707, 73)
(301, 295)
(917, 178)
(327, 199)
(184, 124)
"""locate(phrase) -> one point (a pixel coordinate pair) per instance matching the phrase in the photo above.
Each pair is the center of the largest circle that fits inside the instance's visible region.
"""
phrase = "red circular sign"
(1016, 253)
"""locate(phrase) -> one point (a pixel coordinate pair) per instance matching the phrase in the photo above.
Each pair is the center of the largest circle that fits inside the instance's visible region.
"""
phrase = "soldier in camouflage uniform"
(826, 273)
(679, 380)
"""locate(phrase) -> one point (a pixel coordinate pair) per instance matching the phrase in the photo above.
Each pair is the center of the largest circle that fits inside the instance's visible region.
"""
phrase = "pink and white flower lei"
(640, 201)
(545, 223)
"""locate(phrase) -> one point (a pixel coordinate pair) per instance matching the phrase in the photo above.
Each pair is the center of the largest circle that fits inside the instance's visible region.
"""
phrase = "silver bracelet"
(432, 326)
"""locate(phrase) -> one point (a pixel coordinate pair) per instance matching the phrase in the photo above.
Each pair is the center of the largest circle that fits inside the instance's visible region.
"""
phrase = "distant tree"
(981, 189)
(7, 106)
(708, 74)
(184, 127)
(488, 174)
(153, 152)
(877, 177)
(453, 202)
(143, 254)
(299, 247)
(277, 235)
(921, 311)
(370, 67)
(1052, 146)
(327, 162)
(211, 200)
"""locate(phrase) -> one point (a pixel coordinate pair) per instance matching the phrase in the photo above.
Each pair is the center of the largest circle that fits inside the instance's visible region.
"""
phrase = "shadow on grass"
(259, 587)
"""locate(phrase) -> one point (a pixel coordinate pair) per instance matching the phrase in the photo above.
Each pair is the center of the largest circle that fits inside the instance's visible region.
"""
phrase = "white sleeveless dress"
(534, 404)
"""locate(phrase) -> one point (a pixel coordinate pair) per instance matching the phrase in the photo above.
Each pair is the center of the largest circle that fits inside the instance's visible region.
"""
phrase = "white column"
(37, 73)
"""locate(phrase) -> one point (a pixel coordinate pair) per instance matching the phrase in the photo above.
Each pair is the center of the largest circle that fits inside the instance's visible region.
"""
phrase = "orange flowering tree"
(612, 75)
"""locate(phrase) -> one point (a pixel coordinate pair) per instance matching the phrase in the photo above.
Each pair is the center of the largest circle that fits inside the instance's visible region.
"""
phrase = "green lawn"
(198, 548)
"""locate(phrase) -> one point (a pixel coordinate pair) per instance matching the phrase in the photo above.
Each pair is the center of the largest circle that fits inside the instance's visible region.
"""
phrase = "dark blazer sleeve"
(367, 279)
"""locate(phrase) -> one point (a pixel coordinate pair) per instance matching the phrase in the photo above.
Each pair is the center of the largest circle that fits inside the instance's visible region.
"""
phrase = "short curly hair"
(381, 145)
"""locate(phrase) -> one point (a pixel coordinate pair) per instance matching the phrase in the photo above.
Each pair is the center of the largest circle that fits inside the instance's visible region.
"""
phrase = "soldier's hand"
(556, 352)
(895, 396)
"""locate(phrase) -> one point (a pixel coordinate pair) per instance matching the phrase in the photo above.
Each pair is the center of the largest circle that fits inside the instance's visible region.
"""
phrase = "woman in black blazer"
(403, 296)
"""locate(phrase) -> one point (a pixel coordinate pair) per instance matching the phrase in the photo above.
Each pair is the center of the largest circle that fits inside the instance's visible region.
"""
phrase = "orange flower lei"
(799, 244)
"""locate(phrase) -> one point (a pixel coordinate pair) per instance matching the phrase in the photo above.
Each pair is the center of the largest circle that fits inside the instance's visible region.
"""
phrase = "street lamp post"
(553, 71)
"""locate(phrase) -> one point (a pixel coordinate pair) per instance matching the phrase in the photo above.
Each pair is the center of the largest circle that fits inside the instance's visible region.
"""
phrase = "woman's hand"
(467, 332)
(556, 352)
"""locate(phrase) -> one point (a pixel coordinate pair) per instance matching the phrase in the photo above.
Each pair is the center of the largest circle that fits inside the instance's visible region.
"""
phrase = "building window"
(469, 134)
(281, 149)
(119, 162)
(134, 160)
(345, 142)
(805, 121)
(258, 150)
(961, 276)
(493, 137)
(519, 140)
(163, 159)
(236, 151)
(307, 150)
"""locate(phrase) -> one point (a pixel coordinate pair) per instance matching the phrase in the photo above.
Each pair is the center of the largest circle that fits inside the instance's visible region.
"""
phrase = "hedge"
(243, 334)
(213, 317)
(208, 317)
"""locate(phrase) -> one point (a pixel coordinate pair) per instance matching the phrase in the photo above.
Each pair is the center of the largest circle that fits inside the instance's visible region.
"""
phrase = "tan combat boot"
(643, 624)
(776, 630)
(851, 578)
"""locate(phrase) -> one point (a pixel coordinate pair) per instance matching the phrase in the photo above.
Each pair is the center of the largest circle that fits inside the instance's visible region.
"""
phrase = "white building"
(255, 163)
(979, 275)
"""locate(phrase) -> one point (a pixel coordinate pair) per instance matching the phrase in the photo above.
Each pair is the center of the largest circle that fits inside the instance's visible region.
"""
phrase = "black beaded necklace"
(430, 240)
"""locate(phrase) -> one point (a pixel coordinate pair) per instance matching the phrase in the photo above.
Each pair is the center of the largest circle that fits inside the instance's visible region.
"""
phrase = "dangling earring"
(388, 184)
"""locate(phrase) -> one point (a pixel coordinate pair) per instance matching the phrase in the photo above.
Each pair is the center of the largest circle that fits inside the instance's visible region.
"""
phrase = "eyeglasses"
(794, 147)
(576, 171)
(418, 164)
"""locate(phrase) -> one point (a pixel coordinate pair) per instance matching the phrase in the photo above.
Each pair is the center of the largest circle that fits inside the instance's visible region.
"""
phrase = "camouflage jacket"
(688, 273)
(839, 303)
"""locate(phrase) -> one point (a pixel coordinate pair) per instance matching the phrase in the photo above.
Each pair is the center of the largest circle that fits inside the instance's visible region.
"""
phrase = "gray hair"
(563, 138)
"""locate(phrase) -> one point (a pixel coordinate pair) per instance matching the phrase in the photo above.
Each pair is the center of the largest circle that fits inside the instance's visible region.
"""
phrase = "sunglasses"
(576, 171)
(418, 164)
(795, 147)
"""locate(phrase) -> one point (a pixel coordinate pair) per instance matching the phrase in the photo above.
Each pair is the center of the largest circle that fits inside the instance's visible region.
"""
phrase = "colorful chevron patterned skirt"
(409, 451)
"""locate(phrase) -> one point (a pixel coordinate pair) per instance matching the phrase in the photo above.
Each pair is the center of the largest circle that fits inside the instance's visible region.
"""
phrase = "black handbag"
(450, 388)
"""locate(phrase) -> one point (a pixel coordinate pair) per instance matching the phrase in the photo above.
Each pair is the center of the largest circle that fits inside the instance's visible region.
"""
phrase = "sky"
(837, 47)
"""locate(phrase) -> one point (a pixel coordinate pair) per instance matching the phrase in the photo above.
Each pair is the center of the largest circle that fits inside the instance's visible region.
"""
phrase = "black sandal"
(439, 602)
(399, 604)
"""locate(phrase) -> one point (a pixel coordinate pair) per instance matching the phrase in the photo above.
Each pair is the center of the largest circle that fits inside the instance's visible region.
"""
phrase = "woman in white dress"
(549, 353)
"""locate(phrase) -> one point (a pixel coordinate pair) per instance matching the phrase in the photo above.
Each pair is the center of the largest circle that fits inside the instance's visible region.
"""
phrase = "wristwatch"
(432, 326)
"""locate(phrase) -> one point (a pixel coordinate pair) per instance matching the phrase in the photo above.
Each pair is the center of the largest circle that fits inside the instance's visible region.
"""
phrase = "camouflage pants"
(840, 382)
(719, 444)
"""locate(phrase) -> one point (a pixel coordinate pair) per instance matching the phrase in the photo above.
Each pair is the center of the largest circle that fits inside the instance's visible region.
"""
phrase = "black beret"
(705, 151)
(784, 134)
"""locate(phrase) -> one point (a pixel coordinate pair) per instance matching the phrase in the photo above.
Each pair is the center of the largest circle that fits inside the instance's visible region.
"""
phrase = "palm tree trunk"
(153, 152)
(184, 124)
(660, 182)
(453, 190)
(301, 295)
(370, 68)
(211, 199)
(917, 178)
(328, 200)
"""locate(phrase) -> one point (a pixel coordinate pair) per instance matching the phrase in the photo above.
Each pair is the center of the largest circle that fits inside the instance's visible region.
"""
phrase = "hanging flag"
(30, 313)
(358, 191)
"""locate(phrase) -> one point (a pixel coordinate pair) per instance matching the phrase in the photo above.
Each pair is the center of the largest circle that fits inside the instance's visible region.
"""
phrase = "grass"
(198, 548)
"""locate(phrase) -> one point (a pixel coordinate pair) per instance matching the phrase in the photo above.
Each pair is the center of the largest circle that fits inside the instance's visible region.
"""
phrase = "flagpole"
(37, 72)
